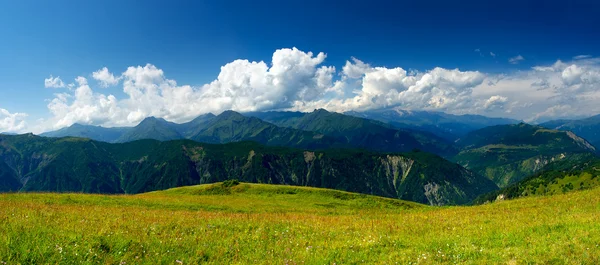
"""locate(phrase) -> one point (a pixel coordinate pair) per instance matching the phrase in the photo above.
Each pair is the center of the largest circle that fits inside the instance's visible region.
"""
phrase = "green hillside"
(579, 172)
(508, 153)
(272, 224)
(83, 165)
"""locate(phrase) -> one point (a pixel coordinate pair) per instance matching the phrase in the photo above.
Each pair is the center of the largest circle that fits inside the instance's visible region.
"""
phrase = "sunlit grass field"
(263, 224)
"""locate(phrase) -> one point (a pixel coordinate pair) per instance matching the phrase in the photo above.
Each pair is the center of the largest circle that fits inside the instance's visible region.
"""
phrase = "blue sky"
(191, 41)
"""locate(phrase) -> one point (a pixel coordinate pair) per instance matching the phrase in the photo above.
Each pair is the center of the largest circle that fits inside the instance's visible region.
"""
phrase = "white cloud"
(297, 80)
(53, 82)
(437, 89)
(83, 106)
(583, 56)
(560, 90)
(294, 76)
(355, 70)
(572, 75)
(12, 122)
(492, 54)
(515, 60)
(105, 77)
(494, 102)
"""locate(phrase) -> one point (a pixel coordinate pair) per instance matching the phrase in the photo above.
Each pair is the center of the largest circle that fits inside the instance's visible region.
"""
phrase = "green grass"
(267, 224)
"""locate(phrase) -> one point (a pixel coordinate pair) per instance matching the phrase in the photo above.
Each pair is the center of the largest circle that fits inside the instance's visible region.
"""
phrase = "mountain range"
(33, 163)
(489, 153)
(317, 130)
(448, 126)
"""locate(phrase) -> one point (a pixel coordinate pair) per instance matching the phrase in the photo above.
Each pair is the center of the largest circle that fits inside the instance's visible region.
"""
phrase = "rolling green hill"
(83, 165)
(508, 153)
(224, 223)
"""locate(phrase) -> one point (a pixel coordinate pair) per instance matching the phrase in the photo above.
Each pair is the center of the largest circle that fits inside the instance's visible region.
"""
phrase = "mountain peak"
(321, 111)
(77, 125)
(230, 114)
(152, 119)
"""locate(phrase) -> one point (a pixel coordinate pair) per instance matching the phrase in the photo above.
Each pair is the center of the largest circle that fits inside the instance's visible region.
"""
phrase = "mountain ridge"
(508, 153)
(442, 124)
(84, 165)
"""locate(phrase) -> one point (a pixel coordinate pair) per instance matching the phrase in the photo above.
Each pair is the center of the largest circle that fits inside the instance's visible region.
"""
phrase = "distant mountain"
(89, 131)
(508, 153)
(579, 172)
(361, 132)
(231, 126)
(279, 118)
(442, 124)
(317, 130)
(588, 128)
(193, 127)
(33, 163)
(152, 128)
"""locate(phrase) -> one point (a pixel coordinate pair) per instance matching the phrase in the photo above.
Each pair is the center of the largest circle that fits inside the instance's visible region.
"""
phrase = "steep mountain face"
(89, 131)
(8, 180)
(363, 133)
(579, 172)
(152, 128)
(508, 153)
(31, 163)
(444, 125)
(588, 128)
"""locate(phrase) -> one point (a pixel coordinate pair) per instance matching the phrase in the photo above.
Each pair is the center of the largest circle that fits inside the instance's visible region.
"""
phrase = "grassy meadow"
(265, 224)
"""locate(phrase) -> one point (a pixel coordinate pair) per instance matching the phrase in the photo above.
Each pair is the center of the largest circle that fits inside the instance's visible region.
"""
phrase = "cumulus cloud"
(83, 106)
(298, 80)
(12, 122)
(292, 76)
(517, 59)
(494, 102)
(105, 77)
(380, 87)
(53, 82)
(492, 54)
